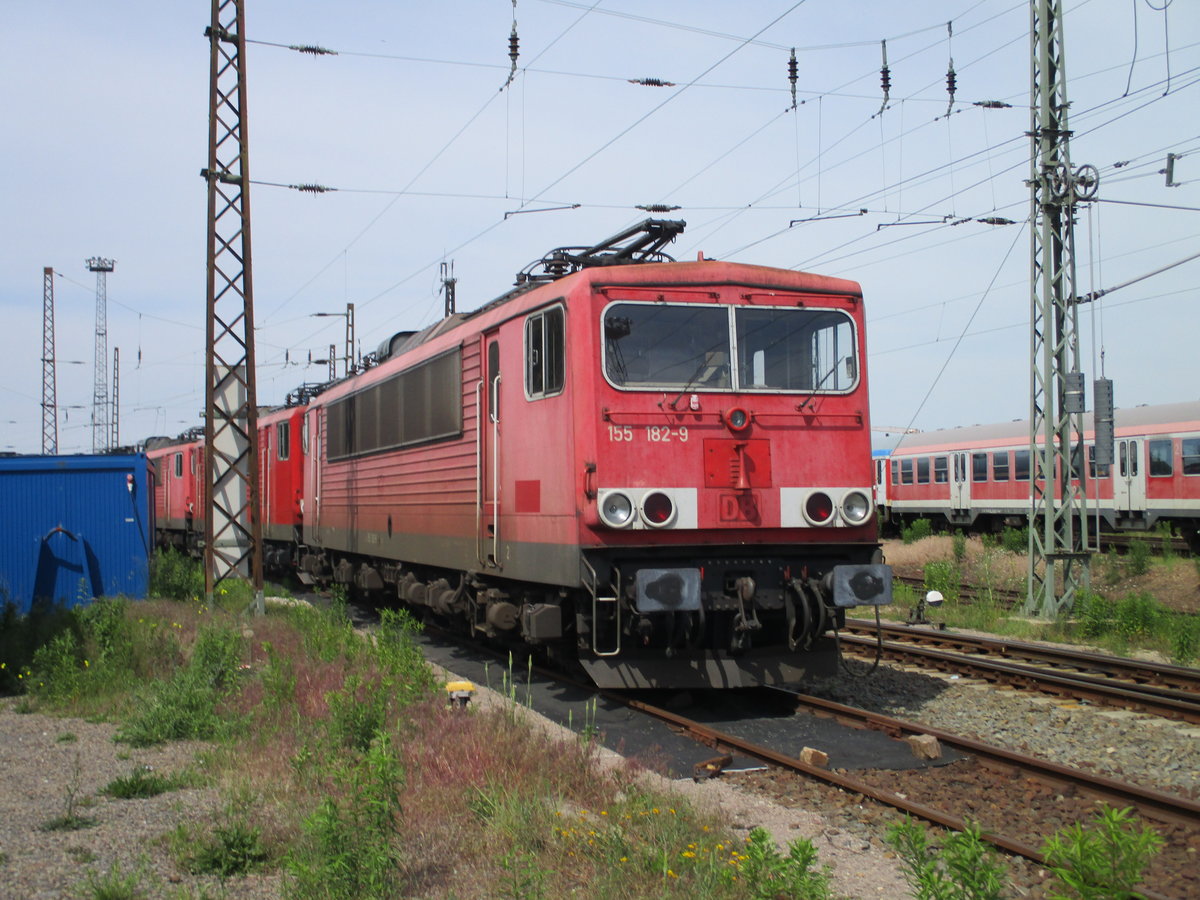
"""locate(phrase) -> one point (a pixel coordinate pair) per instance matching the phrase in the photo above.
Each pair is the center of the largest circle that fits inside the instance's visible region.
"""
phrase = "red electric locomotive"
(661, 469)
(281, 448)
(978, 476)
(179, 498)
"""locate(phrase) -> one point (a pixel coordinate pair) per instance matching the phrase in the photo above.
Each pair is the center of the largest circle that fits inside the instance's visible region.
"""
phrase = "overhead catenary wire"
(532, 198)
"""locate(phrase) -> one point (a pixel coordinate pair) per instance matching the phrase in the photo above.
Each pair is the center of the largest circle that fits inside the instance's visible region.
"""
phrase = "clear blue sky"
(106, 133)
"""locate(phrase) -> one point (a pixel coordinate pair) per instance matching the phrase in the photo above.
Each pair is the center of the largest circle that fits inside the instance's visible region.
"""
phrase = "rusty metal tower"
(1059, 563)
(49, 403)
(100, 432)
(232, 530)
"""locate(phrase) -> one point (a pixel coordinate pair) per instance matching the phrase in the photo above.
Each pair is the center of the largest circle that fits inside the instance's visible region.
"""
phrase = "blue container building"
(74, 527)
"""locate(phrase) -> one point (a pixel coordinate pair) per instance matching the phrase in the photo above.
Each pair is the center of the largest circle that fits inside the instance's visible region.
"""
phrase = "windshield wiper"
(820, 384)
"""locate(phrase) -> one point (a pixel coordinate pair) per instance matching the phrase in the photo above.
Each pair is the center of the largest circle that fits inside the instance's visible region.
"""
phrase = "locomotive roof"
(651, 274)
(1150, 417)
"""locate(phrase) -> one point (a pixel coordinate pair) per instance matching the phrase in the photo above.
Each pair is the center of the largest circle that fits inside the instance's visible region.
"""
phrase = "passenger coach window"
(1021, 465)
(979, 467)
(1191, 456)
(283, 438)
(941, 471)
(906, 471)
(1000, 466)
(895, 471)
(923, 470)
(544, 363)
(1160, 458)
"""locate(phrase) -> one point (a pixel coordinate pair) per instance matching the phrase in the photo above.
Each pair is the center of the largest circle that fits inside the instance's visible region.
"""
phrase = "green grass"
(144, 782)
(346, 775)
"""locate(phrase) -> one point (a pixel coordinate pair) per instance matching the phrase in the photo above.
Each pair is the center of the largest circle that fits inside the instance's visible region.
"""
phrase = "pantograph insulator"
(651, 82)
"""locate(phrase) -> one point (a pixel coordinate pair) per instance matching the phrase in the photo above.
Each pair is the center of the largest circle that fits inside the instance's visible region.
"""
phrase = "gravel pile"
(1149, 750)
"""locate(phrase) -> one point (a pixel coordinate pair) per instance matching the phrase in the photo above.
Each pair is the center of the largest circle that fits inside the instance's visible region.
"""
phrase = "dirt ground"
(1173, 582)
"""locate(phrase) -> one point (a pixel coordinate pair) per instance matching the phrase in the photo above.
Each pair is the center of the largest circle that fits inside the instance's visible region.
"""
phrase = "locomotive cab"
(727, 514)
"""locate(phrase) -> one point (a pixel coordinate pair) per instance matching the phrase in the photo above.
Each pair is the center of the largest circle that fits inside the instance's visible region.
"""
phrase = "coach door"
(488, 437)
(960, 485)
(1129, 481)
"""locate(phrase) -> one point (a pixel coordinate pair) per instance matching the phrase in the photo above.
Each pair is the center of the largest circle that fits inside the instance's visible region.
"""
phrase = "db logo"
(739, 508)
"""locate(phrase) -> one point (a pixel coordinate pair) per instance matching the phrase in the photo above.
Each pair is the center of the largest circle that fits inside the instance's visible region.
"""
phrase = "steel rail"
(1154, 804)
(1179, 706)
(1142, 672)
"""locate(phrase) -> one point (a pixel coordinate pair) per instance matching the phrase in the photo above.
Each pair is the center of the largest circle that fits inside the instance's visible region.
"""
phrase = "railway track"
(965, 793)
(1178, 816)
(1171, 692)
(967, 593)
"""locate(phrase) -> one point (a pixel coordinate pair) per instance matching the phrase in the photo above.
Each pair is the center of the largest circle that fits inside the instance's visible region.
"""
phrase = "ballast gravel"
(1151, 751)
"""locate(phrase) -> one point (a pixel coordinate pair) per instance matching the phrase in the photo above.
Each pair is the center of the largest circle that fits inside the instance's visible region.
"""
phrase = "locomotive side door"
(315, 467)
(264, 476)
(1129, 481)
(960, 486)
(487, 476)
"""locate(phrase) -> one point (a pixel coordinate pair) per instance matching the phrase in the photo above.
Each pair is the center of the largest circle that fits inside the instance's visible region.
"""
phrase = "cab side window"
(283, 438)
(545, 345)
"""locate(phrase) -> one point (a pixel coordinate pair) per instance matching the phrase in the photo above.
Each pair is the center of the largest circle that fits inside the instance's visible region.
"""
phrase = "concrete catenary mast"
(1058, 556)
(49, 401)
(100, 426)
(233, 534)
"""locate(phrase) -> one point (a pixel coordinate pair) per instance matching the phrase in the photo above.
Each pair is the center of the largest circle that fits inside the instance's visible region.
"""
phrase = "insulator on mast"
(514, 49)
(312, 49)
(792, 75)
(885, 80)
(951, 75)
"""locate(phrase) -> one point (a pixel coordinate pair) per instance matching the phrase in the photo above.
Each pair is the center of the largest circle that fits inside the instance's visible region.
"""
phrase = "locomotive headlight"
(616, 509)
(855, 507)
(658, 510)
(737, 419)
(818, 508)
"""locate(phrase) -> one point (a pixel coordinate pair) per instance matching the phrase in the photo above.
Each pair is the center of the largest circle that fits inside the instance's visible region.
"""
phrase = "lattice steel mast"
(232, 531)
(1058, 557)
(116, 399)
(49, 402)
(100, 432)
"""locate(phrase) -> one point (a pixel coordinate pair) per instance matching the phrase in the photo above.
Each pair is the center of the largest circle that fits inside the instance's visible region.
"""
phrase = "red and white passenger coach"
(978, 476)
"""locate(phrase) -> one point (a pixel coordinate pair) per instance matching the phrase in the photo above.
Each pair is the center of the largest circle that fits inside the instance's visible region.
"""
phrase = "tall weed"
(176, 576)
(1185, 640)
(1138, 560)
(1105, 859)
(186, 705)
(943, 576)
(350, 847)
(917, 530)
(1015, 540)
(964, 869)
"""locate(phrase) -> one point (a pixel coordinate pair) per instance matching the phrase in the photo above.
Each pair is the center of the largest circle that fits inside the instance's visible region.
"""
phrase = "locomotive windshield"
(690, 348)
